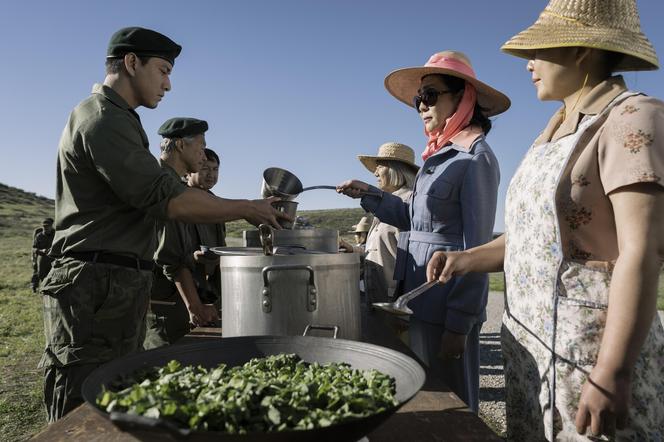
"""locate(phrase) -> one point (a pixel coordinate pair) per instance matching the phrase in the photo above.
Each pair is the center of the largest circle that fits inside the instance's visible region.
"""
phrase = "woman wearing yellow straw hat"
(394, 168)
(584, 236)
(452, 207)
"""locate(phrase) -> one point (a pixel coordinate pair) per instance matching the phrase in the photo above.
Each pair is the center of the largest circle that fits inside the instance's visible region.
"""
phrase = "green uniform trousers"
(93, 313)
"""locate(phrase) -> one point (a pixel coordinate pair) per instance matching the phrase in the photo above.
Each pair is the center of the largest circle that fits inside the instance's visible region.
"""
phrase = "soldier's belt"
(110, 258)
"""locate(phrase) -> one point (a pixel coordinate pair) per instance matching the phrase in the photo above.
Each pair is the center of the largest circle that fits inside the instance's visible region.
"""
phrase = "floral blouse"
(627, 149)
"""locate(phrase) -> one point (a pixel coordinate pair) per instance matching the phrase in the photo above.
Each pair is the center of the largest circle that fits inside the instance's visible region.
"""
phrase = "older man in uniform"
(207, 273)
(110, 193)
(175, 302)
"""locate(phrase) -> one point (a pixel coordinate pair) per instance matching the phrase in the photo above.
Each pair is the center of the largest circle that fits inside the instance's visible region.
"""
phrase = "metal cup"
(289, 208)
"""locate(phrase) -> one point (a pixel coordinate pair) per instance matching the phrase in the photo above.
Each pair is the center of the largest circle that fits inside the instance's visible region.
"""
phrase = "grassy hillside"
(21, 329)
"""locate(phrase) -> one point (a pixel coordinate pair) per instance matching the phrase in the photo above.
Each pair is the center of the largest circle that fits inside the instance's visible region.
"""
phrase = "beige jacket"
(381, 252)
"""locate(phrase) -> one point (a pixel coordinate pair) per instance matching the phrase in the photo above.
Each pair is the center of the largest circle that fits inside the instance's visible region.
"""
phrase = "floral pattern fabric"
(556, 306)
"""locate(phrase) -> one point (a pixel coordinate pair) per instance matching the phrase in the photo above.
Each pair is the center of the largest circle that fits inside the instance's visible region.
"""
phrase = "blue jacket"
(452, 207)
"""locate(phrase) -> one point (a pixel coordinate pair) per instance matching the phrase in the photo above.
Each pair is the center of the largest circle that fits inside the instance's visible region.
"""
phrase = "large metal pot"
(321, 240)
(282, 294)
(408, 374)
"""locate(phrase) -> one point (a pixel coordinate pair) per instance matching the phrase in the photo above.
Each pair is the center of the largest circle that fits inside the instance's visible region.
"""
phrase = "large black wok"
(408, 373)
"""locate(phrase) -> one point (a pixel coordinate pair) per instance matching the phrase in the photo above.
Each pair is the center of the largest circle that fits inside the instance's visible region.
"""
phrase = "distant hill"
(335, 219)
(22, 211)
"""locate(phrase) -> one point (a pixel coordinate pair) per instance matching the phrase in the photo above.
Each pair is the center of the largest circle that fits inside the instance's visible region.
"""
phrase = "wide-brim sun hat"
(404, 83)
(610, 25)
(392, 152)
(362, 227)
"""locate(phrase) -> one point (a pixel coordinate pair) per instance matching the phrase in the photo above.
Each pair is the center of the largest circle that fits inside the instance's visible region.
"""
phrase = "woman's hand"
(353, 188)
(604, 402)
(452, 345)
(345, 246)
(445, 265)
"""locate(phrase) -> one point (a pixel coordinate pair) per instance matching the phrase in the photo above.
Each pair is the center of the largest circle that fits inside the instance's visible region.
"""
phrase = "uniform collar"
(592, 104)
(111, 95)
(167, 167)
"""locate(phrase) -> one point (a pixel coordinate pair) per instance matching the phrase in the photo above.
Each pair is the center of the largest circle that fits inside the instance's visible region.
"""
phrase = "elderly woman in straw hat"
(584, 236)
(394, 168)
(452, 208)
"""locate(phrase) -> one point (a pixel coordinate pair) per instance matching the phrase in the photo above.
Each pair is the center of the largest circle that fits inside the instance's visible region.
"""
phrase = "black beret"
(182, 127)
(142, 42)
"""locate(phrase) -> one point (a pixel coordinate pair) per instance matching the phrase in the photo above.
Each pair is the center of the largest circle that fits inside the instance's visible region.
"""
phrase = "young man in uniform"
(207, 273)
(175, 302)
(110, 192)
(40, 246)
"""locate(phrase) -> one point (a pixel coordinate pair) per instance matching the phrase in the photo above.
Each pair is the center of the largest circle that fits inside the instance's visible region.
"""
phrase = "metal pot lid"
(257, 251)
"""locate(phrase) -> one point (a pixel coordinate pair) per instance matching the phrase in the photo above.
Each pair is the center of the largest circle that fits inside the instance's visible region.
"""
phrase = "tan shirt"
(381, 252)
(627, 148)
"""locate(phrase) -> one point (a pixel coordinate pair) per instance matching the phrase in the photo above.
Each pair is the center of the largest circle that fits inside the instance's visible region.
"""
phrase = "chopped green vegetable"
(275, 393)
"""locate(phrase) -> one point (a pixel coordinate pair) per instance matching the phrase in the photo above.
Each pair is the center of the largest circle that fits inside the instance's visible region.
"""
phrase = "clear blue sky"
(294, 84)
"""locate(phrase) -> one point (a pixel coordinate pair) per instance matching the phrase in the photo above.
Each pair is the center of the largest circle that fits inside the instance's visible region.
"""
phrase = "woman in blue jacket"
(452, 207)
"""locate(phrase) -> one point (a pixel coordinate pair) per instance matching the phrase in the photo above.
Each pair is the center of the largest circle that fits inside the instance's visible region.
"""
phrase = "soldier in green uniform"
(175, 302)
(40, 246)
(110, 192)
(207, 273)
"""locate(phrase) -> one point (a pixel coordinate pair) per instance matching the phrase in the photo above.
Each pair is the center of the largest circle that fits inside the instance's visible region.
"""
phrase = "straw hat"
(362, 226)
(393, 152)
(403, 84)
(611, 25)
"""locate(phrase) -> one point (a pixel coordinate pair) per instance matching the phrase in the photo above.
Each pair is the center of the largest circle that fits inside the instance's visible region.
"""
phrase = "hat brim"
(639, 52)
(371, 162)
(404, 83)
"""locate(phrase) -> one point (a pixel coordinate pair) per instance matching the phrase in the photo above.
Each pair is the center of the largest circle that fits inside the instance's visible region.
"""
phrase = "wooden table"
(434, 414)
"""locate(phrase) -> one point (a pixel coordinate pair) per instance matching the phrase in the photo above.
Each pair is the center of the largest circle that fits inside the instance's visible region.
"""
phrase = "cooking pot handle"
(134, 422)
(334, 328)
(266, 302)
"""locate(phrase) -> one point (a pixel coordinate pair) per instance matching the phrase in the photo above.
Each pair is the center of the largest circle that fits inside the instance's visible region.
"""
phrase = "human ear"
(130, 60)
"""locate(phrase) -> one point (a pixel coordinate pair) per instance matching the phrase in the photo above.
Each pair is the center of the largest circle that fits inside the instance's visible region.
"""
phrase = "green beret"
(182, 127)
(142, 42)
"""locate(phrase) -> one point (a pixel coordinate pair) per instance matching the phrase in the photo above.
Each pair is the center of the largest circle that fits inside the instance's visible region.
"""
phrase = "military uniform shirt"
(110, 189)
(176, 247)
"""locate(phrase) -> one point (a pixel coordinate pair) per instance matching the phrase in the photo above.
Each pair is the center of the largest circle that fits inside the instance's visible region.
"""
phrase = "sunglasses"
(429, 97)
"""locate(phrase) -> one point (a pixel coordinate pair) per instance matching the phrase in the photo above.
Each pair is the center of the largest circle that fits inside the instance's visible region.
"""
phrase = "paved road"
(492, 382)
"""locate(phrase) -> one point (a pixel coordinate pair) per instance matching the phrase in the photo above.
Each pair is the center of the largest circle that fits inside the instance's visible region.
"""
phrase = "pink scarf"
(453, 125)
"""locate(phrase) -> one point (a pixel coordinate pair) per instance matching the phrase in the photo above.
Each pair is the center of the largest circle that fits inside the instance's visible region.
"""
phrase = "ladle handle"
(320, 187)
(407, 297)
(335, 188)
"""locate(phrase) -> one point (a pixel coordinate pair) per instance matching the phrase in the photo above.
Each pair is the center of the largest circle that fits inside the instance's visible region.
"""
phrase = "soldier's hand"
(205, 258)
(353, 188)
(201, 315)
(262, 212)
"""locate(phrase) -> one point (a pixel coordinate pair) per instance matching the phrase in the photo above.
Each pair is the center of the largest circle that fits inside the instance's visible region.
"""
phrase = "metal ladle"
(399, 307)
(285, 185)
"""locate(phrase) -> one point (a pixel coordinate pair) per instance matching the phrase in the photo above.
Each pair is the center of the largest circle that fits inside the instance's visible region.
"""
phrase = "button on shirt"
(110, 189)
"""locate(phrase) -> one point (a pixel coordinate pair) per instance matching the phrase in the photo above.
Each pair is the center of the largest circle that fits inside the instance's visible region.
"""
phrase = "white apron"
(555, 311)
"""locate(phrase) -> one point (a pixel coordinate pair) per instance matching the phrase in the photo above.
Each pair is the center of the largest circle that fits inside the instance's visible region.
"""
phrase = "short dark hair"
(479, 118)
(211, 156)
(115, 65)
